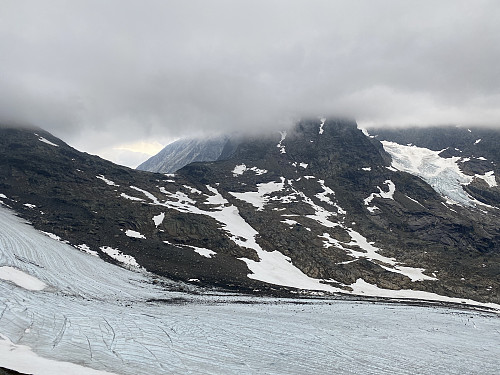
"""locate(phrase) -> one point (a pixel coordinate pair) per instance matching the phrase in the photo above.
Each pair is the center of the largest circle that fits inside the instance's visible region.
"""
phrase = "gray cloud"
(104, 73)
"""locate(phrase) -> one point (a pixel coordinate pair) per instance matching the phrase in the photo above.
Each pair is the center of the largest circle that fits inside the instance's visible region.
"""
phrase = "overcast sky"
(113, 77)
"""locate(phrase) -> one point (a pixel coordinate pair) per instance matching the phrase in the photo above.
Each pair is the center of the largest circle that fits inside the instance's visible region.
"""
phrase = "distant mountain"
(319, 207)
(185, 151)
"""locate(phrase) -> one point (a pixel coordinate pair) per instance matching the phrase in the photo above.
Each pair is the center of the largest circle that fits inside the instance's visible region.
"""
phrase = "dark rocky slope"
(304, 196)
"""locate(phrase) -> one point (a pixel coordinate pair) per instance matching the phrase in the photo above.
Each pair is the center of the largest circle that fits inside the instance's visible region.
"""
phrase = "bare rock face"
(321, 206)
(183, 152)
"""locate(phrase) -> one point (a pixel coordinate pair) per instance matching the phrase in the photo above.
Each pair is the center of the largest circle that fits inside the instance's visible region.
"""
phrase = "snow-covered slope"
(91, 317)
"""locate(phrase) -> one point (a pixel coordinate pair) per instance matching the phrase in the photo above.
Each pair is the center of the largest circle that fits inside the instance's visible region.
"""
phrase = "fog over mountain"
(107, 75)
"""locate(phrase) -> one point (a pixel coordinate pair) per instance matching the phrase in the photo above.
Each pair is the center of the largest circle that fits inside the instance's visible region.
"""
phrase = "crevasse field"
(63, 311)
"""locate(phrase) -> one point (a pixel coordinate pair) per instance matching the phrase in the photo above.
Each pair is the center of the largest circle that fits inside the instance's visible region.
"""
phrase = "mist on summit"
(110, 76)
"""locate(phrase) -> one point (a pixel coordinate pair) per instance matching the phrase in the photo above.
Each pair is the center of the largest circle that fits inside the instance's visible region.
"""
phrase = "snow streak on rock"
(44, 140)
(109, 182)
(130, 197)
(280, 144)
(321, 130)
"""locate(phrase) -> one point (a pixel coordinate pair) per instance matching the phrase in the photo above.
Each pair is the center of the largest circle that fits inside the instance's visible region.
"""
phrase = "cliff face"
(322, 207)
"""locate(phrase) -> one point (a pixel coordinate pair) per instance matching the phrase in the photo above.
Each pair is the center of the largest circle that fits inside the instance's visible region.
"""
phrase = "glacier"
(87, 316)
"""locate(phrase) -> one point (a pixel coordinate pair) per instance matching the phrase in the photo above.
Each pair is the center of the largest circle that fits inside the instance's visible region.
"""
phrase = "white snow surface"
(321, 130)
(280, 144)
(442, 174)
(289, 222)
(106, 319)
(109, 182)
(242, 168)
(51, 235)
(87, 249)
(23, 359)
(116, 254)
(260, 197)
(382, 194)
(131, 198)
(192, 189)
(29, 205)
(134, 234)
(489, 178)
(207, 253)
(21, 278)
(44, 140)
(371, 252)
(200, 250)
(272, 267)
(158, 219)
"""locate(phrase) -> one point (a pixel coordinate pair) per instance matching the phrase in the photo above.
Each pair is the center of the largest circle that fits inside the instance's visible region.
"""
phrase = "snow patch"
(29, 205)
(119, 256)
(21, 278)
(242, 168)
(193, 190)
(109, 182)
(260, 197)
(489, 178)
(303, 165)
(289, 222)
(158, 219)
(321, 125)
(370, 252)
(123, 195)
(361, 287)
(52, 235)
(280, 144)
(477, 141)
(134, 234)
(207, 253)
(87, 250)
(44, 140)
(382, 194)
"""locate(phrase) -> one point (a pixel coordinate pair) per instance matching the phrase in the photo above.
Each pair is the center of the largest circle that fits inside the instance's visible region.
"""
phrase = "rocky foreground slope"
(319, 207)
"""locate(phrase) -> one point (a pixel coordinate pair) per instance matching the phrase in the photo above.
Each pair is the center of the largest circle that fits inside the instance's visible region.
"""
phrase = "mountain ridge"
(321, 204)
